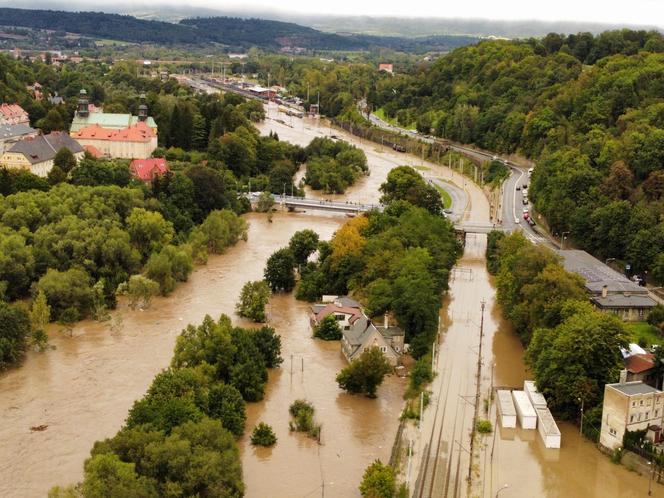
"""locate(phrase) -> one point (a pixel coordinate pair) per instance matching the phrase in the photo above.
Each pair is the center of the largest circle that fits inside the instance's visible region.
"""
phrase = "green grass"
(380, 113)
(422, 168)
(444, 196)
(645, 332)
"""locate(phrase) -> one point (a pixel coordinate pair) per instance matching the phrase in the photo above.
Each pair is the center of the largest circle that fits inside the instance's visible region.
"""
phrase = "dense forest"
(232, 32)
(587, 108)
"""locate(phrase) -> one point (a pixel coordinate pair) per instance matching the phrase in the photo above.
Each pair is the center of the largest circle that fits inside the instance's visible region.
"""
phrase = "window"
(648, 402)
(656, 413)
(631, 419)
(647, 413)
(383, 349)
(640, 416)
(612, 431)
(633, 403)
(641, 403)
(339, 317)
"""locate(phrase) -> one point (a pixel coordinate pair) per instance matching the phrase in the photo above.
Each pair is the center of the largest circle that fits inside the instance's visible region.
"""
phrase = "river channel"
(83, 388)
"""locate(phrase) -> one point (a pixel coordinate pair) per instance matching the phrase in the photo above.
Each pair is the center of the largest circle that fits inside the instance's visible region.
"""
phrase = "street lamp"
(562, 239)
(581, 426)
(504, 487)
(652, 471)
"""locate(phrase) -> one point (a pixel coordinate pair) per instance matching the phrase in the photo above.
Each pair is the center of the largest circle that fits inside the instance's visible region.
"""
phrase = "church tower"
(82, 109)
(143, 109)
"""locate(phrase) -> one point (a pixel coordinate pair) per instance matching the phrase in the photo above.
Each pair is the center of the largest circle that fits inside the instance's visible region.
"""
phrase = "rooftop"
(44, 147)
(108, 120)
(627, 300)
(16, 130)
(597, 274)
(139, 132)
(9, 111)
(633, 388)
(639, 363)
(147, 169)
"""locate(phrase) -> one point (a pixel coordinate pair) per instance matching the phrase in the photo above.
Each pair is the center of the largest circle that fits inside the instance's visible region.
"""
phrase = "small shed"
(524, 410)
(547, 428)
(506, 409)
(536, 398)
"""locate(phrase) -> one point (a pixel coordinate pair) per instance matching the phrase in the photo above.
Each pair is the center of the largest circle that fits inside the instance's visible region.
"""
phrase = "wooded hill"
(228, 31)
(590, 111)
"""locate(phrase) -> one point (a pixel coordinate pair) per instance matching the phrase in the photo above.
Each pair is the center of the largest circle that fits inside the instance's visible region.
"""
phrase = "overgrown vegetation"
(263, 435)
(302, 418)
(550, 311)
(366, 373)
(332, 165)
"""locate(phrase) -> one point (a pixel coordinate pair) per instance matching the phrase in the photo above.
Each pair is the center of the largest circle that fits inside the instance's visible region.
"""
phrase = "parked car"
(399, 148)
(518, 187)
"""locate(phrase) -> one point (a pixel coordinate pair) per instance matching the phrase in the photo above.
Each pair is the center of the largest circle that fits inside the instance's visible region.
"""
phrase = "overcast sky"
(647, 12)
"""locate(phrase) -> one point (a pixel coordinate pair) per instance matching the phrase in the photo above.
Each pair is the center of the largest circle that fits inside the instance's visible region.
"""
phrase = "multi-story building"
(115, 135)
(36, 154)
(630, 406)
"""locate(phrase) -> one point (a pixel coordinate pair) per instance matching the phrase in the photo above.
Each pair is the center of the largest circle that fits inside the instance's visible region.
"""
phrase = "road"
(512, 199)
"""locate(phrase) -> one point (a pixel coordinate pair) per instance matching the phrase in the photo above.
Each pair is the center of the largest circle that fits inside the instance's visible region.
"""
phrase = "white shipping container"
(536, 398)
(524, 410)
(547, 428)
(506, 409)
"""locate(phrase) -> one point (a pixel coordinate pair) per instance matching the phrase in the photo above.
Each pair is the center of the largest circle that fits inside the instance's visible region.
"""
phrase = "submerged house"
(358, 331)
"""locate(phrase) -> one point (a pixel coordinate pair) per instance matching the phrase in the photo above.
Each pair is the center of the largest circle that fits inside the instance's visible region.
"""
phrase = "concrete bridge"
(294, 202)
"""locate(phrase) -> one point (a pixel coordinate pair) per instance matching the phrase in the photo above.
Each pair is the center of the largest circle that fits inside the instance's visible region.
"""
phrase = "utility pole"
(421, 409)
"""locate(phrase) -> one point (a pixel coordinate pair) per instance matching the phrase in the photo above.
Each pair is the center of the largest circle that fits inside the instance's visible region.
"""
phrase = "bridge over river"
(294, 202)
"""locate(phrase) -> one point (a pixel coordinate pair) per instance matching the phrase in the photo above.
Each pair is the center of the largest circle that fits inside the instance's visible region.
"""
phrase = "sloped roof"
(331, 308)
(8, 131)
(44, 147)
(624, 301)
(92, 150)
(639, 363)
(9, 111)
(139, 132)
(147, 169)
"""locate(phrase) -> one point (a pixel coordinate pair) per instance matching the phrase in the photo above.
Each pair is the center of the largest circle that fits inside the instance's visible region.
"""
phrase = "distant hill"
(233, 32)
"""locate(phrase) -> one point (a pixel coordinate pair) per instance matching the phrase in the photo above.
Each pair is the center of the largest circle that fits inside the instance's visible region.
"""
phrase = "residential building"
(640, 367)
(363, 335)
(609, 291)
(10, 134)
(358, 331)
(630, 406)
(13, 114)
(36, 154)
(147, 170)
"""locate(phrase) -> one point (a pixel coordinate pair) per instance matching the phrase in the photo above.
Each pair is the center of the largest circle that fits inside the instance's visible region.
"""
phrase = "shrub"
(302, 413)
(484, 427)
(328, 329)
(263, 435)
(365, 374)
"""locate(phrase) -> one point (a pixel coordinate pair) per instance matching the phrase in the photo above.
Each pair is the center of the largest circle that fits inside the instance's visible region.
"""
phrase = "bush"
(67, 290)
(378, 481)
(279, 270)
(263, 435)
(484, 427)
(328, 329)
(302, 413)
(656, 316)
(14, 330)
(421, 373)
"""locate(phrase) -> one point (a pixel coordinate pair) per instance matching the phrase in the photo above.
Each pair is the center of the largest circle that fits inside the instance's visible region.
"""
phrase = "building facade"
(10, 134)
(36, 154)
(630, 406)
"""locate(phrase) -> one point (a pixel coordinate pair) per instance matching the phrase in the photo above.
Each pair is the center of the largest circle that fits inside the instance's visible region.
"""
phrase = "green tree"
(65, 160)
(265, 202)
(53, 121)
(279, 270)
(14, 331)
(169, 266)
(149, 231)
(253, 298)
(70, 289)
(365, 374)
(302, 244)
(328, 329)
(378, 481)
(268, 343)
(139, 291)
(405, 183)
(263, 435)
(40, 316)
(226, 404)
(106, 476)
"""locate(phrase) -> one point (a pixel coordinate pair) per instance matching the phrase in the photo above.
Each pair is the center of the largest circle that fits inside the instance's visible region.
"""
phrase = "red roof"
(638, 363)
(140, 132)
(12, 111)
(92, 150)
(147, 169)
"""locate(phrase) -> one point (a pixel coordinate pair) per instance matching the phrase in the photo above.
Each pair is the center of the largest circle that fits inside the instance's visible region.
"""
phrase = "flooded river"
(83, 389)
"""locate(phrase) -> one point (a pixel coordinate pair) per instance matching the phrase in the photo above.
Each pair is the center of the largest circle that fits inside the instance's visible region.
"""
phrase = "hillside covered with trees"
(232, 32)
(589, 109)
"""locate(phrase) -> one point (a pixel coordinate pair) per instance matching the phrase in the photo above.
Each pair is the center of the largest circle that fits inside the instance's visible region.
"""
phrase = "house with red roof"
(147, 169)
(11, 114)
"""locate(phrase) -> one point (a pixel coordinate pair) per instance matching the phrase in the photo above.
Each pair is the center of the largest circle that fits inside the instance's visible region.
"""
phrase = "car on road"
(448, 211)
(334, 137)
(525, 201)
(518, 187)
